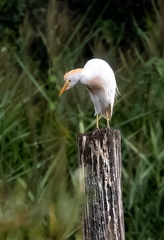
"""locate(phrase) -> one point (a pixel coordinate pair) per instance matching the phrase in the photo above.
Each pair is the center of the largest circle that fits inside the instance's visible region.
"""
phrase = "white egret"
(99, 78)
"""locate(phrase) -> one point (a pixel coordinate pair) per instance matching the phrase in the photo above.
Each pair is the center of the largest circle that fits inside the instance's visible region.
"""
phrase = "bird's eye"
(68, 80)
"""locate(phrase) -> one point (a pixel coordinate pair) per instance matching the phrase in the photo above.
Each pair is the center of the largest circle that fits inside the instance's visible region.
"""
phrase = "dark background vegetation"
(39, 41)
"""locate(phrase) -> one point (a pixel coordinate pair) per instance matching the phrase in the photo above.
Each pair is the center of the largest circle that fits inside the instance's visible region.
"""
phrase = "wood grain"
(100, 164)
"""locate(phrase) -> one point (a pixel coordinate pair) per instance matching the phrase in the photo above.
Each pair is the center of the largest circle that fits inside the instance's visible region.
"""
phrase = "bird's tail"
(117, 92)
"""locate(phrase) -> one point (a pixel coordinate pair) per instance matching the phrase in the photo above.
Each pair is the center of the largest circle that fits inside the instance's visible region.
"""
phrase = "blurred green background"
(39, 42)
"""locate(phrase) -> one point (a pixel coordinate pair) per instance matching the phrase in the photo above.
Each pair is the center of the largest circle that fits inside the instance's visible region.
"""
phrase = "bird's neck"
(84, 76)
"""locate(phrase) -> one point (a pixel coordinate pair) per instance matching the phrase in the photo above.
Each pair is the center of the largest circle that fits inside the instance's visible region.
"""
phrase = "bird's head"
(70, 79)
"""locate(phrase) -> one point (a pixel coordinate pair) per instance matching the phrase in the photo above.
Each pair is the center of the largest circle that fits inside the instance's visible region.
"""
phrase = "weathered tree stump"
(100, 164)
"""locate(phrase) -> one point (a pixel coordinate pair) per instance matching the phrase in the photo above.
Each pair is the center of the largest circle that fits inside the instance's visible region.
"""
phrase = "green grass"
(39, 191)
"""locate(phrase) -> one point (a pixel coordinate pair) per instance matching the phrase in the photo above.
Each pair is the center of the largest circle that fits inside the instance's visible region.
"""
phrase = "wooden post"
(100, 164)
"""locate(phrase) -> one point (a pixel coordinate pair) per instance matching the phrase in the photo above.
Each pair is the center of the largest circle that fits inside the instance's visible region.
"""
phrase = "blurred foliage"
(39, 183)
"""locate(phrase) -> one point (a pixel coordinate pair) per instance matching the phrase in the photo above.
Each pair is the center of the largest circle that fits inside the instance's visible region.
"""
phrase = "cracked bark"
(100, 164)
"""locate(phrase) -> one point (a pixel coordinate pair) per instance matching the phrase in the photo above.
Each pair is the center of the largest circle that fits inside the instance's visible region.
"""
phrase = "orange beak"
(64, 88)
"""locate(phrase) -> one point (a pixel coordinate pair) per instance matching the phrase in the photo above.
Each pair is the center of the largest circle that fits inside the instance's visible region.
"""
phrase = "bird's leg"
(107, 120)
(97, 121)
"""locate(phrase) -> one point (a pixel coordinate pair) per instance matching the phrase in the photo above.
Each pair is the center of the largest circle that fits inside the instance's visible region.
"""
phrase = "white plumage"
(99, 78)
